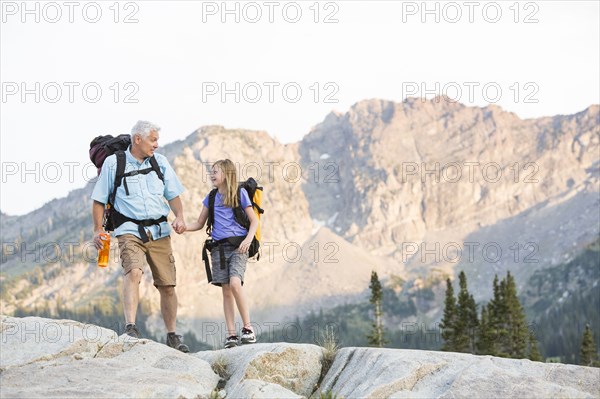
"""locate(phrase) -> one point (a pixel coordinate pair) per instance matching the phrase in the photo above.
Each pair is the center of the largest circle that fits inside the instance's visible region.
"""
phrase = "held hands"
(178, 225)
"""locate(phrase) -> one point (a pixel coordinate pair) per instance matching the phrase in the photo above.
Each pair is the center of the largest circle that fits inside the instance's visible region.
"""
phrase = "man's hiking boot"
(176, 341)
(248, 336)
(132, 331)
(231, 341)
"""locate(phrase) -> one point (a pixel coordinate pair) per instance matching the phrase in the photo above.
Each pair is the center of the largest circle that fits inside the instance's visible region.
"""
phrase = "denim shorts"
(234, 265)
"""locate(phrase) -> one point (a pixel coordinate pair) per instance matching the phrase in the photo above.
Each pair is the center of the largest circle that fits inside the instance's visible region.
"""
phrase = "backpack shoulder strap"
(118, 176)
(257, 205)
(239, 213)
(211, 210)
(156, 168)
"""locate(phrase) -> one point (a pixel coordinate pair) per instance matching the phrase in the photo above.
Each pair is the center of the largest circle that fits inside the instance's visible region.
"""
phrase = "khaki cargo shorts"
(158, 253)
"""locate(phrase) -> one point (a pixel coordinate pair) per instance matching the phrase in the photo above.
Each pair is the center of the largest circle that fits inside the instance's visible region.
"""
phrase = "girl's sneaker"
(231, 341)
(248, 336)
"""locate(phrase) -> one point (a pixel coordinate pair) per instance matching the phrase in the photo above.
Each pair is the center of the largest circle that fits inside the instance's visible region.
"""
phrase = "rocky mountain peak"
(379, 180)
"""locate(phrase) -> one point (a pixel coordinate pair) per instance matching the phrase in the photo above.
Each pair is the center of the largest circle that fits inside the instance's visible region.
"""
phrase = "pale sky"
(80, 70)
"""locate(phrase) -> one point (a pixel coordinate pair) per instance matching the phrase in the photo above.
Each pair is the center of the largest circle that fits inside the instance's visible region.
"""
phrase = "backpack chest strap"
(134, 173)
(120, 174)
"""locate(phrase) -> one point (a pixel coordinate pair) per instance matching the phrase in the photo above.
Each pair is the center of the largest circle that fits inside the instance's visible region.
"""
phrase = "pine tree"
(376, 338)
(534, 352)
(589, 354)
(517, 323)
(485, 334)
(509, 334)
(449, 320)
(466, 318)
(498, 312)
(473, 323)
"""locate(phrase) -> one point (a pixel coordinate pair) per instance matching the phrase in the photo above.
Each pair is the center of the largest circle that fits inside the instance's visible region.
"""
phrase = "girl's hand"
(245, 246)
(178, 225)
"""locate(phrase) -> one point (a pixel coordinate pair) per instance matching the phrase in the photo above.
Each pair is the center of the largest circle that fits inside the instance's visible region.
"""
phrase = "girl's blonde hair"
(228, 169)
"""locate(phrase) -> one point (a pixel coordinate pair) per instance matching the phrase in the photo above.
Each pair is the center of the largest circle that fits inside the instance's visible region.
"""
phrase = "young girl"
(229, 260)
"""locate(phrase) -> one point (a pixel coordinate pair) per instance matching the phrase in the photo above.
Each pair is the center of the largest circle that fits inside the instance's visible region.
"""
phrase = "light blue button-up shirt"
(147, 193)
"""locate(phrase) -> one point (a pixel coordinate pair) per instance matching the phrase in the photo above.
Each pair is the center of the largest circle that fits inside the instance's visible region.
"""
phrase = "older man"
(139, 217)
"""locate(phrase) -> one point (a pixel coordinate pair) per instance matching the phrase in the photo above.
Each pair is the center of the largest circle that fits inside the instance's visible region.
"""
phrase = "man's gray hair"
(143, 128)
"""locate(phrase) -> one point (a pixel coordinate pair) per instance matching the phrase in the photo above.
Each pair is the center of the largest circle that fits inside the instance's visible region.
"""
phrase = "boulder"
(70, 363)
(42, 358)
(399, 373)
(295, 367)
(258, 389)
(30, 339)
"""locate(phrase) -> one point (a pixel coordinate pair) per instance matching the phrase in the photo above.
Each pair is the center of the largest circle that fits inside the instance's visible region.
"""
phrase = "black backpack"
(255, 194)
(103, 146)
(100, 148)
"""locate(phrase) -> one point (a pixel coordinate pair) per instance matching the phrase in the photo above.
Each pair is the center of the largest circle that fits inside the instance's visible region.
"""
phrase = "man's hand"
(178, 225)
(177, 208)
(97, 215)
(98, 242)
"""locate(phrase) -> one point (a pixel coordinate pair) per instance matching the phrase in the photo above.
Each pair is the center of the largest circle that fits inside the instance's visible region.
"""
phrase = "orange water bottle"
(104, 251)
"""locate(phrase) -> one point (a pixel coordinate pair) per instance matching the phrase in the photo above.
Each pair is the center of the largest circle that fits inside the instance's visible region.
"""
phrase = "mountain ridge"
(377, 180)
